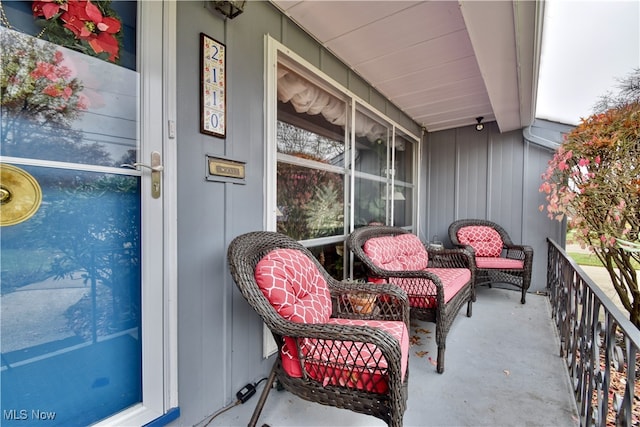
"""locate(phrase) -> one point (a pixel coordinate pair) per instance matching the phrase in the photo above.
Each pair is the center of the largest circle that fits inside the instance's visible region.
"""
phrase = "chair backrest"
(279, 278)
(485, 240)
(397, 253)
(294, 286)
(388, 248)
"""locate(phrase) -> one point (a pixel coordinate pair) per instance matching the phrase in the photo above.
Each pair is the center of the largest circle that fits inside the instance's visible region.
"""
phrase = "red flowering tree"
(89, 27)
(594, 181)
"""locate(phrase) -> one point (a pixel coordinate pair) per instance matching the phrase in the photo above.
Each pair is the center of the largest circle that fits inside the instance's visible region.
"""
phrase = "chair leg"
(440, 361)
(524, 295)
(263, 396)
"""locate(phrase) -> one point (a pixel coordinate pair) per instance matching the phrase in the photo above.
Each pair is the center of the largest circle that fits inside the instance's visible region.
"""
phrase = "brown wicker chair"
(504, 262)
(306, 363)
(431, 297)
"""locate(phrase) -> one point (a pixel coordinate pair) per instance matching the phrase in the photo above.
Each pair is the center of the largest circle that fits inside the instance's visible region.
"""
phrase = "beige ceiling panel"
(410, 29)
(327, 20)
(436, 76)
(466, 87)
(462, 103)
(391, 63)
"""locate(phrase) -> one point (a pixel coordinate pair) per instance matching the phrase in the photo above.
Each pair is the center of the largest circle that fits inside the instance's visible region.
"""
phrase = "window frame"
(277, 53)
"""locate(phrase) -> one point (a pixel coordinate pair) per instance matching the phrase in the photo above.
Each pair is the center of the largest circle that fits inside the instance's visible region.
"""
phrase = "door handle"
(156, 169)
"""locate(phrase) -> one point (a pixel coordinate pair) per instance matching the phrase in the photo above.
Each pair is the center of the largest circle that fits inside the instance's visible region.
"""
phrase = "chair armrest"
(463, 257)
(522, 252)
(382, 301)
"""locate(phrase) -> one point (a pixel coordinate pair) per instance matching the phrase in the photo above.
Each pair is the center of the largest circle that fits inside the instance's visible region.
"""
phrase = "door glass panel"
(71, 269)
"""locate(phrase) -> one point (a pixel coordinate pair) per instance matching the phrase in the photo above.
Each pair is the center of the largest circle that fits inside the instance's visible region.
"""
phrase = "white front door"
(83, 317)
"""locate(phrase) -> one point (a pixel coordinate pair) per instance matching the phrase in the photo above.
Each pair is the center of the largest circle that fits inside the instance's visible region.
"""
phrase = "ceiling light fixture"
(480, 125)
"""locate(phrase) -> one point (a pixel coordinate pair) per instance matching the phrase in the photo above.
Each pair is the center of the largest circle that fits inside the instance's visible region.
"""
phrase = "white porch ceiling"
(444, 63)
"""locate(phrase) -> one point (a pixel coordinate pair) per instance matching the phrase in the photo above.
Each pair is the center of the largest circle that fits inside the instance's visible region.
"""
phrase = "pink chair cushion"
(485, 241)
(396, 253)
(499, 263)
(294, 286)
(350, 364)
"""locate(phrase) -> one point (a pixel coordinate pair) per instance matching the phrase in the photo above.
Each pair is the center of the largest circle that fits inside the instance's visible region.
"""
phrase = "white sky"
(586, 46)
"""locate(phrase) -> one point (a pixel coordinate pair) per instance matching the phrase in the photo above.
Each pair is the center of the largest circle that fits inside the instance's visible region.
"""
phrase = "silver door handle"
(137, 165)
(156, 169)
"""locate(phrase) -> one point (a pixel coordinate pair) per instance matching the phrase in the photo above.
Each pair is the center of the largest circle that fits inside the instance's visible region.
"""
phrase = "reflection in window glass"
(314, 167)
(370, 202)
(57, 103)
(310, 202)
(403, 160)
(303, 143)
(331, 257)
(310, 198)
(70, 299)
(372, 140)
(402, 207)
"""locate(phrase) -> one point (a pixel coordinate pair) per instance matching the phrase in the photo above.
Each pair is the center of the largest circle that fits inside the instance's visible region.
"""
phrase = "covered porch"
(509, 364)
(503, 369)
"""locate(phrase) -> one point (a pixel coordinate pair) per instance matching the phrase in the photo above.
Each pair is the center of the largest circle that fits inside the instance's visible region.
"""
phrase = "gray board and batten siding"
(489, 175)
(219, 336)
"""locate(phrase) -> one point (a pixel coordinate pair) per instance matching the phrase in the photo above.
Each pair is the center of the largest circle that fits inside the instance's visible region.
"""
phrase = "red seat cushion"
(347, 363)
(485, 241)
(422, 292)
(499, 263)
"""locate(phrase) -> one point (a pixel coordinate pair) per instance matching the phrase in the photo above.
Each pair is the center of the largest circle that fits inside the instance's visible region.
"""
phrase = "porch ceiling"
(443, 63)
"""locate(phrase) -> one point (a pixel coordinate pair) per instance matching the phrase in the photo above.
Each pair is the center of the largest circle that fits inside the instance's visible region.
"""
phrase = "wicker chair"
(339, 344)
(498, 259)
(437, 288)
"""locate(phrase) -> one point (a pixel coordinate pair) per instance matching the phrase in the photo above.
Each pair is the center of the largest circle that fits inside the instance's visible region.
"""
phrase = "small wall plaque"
(220, 169)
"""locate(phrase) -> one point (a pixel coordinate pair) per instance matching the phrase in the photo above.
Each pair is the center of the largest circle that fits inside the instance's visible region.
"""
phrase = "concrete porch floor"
(502, 368)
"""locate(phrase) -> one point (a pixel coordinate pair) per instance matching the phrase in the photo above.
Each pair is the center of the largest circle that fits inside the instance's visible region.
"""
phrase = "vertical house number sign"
(213, 87)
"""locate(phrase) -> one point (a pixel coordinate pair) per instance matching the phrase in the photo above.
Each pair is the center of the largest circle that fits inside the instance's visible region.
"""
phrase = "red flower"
(85, 20)
(48, 8)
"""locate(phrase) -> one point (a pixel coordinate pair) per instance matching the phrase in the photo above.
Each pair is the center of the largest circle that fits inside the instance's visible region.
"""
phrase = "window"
(334, 163)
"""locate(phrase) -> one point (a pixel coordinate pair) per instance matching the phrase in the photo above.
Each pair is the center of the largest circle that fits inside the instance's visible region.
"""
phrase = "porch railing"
(599, 344)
